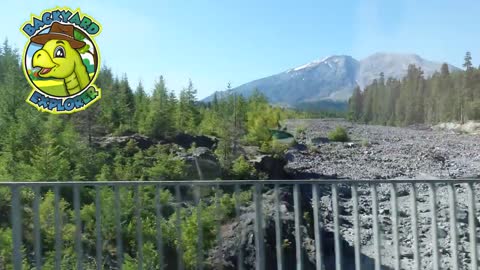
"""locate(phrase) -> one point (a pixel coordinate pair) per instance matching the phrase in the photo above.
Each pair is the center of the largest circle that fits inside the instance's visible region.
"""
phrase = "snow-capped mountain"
(332, 78)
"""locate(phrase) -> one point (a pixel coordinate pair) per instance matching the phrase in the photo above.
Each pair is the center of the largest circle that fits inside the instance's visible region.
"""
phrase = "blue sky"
(216, 42)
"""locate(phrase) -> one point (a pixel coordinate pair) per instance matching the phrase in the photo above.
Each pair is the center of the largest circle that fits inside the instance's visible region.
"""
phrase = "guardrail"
(342, 200)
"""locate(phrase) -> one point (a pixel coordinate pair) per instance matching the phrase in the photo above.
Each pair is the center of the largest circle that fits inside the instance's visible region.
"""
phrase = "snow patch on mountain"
(316, 63)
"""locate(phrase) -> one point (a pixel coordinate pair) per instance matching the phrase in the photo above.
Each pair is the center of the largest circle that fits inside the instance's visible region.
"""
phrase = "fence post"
(259, 238)
(278, 230)
(336, 224)
(16, 228)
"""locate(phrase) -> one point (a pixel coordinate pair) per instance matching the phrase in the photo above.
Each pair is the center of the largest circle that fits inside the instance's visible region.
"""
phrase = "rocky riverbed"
(374, 152)
(239, 233)
(381, 152)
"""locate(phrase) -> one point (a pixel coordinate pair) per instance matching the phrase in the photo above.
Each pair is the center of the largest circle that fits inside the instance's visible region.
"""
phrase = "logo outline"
(44, 101)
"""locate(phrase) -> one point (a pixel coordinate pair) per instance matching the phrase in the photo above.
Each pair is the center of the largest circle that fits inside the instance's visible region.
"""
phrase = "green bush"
(300, 130)
(242, 169)
(338, 135)
(365, 143)
(275, 148)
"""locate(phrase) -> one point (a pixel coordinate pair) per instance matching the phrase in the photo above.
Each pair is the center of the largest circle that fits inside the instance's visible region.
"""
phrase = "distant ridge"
(332, 78)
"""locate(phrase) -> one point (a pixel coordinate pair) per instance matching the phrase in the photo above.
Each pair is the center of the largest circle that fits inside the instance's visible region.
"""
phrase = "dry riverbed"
(382, 152)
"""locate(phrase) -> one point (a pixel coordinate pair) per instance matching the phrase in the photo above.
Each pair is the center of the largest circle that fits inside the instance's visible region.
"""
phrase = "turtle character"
(59, 58)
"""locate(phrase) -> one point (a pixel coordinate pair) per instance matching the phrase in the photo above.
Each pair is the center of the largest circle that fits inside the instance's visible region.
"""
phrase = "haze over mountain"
(332, 79)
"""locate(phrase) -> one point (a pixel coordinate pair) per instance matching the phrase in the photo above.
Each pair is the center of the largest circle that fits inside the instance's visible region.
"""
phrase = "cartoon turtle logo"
(59, 58)
(61, 61)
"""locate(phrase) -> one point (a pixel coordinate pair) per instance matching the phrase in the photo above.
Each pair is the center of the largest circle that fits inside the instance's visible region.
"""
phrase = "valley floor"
(383, 152)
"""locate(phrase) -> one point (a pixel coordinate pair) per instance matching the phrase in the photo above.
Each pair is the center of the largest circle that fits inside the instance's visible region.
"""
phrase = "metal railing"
(375, 224)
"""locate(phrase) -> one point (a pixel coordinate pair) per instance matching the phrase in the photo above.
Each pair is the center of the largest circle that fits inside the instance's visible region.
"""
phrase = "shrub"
(299, 131)
(338, 135)
(275, 148)
(365, 143)
(241, 169)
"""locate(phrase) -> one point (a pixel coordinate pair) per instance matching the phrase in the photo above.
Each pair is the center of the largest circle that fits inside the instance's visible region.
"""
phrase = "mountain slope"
(395, 66)
(332, 79)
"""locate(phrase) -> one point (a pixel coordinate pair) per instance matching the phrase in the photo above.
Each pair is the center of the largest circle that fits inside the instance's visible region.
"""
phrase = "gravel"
(380, 152)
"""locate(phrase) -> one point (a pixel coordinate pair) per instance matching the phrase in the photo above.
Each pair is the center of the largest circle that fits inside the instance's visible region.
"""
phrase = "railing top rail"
(237, 182)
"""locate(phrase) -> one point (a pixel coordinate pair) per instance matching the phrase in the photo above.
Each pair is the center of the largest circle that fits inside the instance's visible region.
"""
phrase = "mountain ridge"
(332, 78)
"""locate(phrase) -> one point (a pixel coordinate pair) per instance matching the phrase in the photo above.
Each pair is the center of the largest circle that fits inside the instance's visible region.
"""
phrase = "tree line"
(38, 146)
(446, 96)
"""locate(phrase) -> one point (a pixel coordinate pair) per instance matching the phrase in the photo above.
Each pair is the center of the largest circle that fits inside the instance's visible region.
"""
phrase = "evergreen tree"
(448, 99)
(108, 117)
(125, 103)
(142, 103)
(49, 161)
(467, 93)
(159, 120)
(367, 109)
(445, 96)
(356, 104)
(468, 61)
(187, 113)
